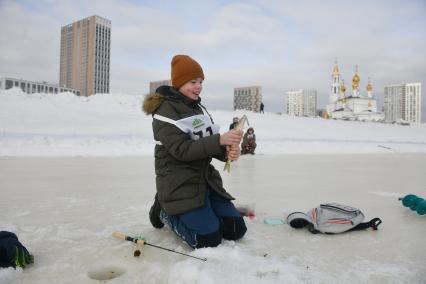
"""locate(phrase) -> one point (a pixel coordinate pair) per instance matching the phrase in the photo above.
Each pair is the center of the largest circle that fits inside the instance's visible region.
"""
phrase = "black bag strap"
(312, 229)
(373, 223)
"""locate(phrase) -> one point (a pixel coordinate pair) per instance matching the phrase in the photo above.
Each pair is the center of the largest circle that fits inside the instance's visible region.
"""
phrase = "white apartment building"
(31, 87)
(295, 103)
(310, 102)
(392, 104)
(153, 85)
(402, 103)
(302, 102)
(248, 98)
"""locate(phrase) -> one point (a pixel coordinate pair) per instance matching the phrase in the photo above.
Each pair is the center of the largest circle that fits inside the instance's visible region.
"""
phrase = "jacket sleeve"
(222, 156)
(179, 144)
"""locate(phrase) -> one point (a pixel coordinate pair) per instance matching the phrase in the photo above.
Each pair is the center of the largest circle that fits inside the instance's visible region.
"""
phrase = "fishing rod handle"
(122, 236)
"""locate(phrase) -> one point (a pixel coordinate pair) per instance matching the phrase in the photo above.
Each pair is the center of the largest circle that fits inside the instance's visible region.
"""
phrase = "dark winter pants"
(206, 226)
(249, 149)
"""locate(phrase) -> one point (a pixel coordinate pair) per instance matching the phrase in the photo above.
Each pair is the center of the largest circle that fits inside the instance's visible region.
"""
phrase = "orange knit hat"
(184, 69)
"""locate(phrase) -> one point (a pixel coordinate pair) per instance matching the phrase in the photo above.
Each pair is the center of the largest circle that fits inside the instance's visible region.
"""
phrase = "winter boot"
(154, 214)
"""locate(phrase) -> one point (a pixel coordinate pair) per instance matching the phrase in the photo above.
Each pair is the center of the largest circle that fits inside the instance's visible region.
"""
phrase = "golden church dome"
(336, 69)
(343, 87)
(369, 86)
(356, 79)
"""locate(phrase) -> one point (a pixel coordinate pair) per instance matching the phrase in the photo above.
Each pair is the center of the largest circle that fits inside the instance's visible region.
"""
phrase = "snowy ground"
(75, 169)
(65, 209)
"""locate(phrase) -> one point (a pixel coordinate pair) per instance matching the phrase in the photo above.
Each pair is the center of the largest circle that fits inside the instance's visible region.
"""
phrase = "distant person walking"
(234, 123)
(262, 107)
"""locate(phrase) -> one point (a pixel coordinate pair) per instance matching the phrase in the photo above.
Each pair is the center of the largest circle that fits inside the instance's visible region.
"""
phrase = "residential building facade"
(248, 98)
(302, 102)
(85, 55)
(295, 103)
(31, 87)
(402, 103)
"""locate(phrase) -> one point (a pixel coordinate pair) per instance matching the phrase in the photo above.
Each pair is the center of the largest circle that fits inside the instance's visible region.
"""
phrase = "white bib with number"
(197, 126)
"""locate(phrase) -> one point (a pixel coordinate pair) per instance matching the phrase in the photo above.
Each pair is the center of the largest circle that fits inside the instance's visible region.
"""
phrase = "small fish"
(240, 126)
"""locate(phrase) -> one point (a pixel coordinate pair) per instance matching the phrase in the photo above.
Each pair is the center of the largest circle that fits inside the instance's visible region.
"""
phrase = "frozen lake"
(65, 209)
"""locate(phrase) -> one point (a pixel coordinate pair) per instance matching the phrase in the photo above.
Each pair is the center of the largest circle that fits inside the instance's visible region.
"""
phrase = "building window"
(9, 84)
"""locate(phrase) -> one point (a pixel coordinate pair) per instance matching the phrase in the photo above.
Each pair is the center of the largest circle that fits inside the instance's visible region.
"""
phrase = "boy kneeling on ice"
(190, 196)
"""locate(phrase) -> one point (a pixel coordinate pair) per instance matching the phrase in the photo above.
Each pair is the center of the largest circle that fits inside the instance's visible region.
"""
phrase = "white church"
(351, 106)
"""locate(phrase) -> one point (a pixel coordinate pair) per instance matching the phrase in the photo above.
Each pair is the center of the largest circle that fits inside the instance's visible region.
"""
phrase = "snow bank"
(114, 125)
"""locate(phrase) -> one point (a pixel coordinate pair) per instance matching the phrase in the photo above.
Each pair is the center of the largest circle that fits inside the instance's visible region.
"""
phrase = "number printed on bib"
(197, 126)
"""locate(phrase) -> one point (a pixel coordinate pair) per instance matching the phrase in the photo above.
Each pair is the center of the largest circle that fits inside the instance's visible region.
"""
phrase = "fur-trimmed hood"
(153, 101)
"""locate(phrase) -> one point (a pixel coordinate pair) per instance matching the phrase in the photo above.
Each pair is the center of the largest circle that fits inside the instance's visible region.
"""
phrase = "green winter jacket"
(187, 140)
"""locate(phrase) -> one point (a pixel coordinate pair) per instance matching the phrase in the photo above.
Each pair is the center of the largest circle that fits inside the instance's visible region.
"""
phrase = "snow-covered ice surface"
(75, 169)
(64, 210)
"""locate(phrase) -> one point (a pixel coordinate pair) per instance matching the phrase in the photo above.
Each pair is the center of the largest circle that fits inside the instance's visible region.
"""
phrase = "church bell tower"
(335, 84)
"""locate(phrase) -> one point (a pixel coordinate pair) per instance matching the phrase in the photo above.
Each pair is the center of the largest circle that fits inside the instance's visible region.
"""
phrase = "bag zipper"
(355, 211)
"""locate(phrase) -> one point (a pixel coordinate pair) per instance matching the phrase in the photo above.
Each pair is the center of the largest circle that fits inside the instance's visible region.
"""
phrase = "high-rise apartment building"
(403, 102)
(302, 103)
(248, 98)
(310, 102)
(85, 55)
(295, 103)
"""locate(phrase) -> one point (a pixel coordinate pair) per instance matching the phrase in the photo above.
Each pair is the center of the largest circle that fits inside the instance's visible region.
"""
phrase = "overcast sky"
(278, 45)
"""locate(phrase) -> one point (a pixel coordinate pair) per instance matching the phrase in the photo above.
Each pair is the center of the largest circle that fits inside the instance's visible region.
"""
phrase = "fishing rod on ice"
(141, 241)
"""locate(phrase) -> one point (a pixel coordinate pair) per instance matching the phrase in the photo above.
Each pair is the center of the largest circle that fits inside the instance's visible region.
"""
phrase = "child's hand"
(232, 137)
(233, 152)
